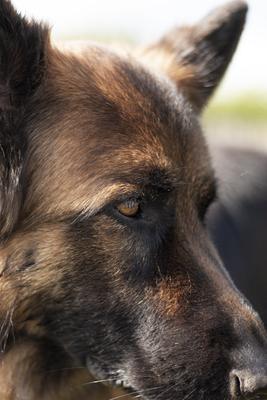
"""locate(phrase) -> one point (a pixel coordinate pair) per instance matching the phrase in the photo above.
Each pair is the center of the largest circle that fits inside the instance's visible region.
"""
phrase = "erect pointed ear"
(23, 48)
(196, 57)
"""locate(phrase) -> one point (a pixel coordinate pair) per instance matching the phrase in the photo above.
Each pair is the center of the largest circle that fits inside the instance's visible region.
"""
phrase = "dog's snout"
(249, 383)
(248, 378)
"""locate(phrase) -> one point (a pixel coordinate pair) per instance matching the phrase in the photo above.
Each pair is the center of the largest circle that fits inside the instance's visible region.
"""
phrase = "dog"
(107, 270)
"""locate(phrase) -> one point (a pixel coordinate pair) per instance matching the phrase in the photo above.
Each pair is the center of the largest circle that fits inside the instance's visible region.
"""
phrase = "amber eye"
(129, 208)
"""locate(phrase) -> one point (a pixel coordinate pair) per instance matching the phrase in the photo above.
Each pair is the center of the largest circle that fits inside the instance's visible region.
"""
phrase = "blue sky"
(145, 20)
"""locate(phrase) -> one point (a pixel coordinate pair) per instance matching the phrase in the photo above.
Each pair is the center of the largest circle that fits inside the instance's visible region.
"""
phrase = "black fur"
(22, 65)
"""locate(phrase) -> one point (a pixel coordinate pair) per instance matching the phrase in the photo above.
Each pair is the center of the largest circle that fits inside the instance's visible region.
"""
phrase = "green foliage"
(251, 107)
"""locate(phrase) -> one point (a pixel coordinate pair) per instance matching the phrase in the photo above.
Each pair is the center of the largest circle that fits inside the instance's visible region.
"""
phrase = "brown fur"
(22, 376)
(96, 128)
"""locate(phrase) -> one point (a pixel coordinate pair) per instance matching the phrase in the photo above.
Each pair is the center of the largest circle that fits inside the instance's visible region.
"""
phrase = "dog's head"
(105, 183)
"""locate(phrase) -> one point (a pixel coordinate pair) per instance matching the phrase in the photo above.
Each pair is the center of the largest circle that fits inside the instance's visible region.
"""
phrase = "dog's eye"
(129, 208)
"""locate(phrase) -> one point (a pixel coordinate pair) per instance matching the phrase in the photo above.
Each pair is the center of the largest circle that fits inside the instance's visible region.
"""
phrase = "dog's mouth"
(116, 378)
(123, 383)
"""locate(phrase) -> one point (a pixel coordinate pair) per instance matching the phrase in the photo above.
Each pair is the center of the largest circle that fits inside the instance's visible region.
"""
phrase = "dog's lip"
(123, 383)
(97, 372)
(121, 380)
(116, 378)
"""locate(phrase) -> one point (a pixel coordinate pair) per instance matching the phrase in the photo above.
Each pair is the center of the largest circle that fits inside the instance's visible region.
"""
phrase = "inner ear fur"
(23, 50)
(195, 58)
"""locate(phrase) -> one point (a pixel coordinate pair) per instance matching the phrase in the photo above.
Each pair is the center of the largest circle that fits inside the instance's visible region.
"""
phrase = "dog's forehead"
(104, 115)
(118, 91)
(119, 104)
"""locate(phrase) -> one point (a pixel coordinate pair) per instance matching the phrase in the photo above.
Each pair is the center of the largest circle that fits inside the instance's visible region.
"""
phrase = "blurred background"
(238, 111)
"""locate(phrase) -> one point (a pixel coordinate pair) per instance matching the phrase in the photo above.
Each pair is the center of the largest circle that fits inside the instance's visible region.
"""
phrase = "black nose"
(246, 384)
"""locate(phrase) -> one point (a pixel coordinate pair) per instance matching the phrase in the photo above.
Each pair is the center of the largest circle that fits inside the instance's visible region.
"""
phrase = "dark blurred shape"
(238, 221)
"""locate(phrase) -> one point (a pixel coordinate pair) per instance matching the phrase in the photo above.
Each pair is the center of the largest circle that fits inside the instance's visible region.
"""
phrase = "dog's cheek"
(78, 295)
(33, 268)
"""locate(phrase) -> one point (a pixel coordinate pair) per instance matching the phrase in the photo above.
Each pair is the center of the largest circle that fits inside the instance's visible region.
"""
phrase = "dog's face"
(105, 251)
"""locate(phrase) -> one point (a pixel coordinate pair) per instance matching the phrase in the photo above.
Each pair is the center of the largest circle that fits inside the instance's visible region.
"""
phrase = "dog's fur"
(144, 299)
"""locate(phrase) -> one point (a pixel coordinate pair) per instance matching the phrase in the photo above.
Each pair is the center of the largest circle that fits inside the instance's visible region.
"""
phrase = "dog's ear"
(23, 47)
(196, 57)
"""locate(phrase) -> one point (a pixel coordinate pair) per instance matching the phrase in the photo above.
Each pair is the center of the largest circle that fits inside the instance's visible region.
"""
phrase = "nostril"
(235, 385)
(245, 383)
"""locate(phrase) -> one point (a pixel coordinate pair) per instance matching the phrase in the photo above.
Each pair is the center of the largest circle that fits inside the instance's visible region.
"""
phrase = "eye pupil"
(129, 208)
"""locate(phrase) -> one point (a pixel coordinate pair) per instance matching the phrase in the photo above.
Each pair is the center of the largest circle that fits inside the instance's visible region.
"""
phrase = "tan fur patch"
(163, 61)
(18, 286)
(22, 377)
(171, 296)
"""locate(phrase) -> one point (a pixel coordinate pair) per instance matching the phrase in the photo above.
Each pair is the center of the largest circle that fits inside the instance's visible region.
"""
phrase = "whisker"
(189, 394)
(136, 391)
(99, 381)
(5, 329)
(173, 386)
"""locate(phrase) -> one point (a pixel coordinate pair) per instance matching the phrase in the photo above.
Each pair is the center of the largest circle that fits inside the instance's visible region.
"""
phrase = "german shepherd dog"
(106, 264)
